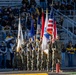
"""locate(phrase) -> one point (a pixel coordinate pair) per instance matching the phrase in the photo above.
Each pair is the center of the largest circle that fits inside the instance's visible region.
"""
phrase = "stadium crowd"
(9, 25)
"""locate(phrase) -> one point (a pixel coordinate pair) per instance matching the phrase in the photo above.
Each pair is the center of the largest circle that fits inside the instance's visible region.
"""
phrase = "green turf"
(70, 73)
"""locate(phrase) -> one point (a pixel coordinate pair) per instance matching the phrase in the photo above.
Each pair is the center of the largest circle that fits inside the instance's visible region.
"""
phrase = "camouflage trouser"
(44, 61)
(25, 62)
(56, 58)
(17, 61)
(50, 60)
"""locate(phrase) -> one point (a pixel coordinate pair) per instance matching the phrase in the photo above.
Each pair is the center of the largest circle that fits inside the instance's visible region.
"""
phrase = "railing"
(69, 32)
(67, 24)
(59, 13)
(66, 35)
(68, 12)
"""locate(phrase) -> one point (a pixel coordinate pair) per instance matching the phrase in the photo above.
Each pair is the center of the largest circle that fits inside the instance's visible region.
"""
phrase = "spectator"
(63, 7)
(69, 7)
(11, 52)
(61, 21)
(43, 4)
(75, 32)
(3, 35)
(0, 27)
(15, 11)
(3, 51)
(28, 23)
(11, 18)
(32, 9)
(33, 2)
(70, 52)
(26, 2)
(75, 46)
(57, 6)
(8, 55)
(23, 8)
(49, 2)
(7, 27)
(63, 54)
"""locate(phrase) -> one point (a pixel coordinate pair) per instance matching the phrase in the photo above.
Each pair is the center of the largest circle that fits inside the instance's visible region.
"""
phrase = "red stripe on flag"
(42, 28)
(54, 30)
(50, 26)
(54, 35)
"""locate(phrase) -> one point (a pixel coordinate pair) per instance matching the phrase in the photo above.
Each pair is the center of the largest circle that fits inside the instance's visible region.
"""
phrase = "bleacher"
(68, 28)
(67, 32)
(11, 3)
(67, 23)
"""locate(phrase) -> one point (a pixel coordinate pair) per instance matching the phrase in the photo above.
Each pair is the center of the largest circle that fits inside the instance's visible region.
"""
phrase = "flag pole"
(48, 50)
(38, 57)
(41, 52)
(48, 60)
(37, 43)
(27, 58)
(32, 66)
(41, 59)
(53, 49)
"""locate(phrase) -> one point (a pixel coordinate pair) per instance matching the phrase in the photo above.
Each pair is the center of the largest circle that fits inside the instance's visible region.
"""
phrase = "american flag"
(54, 34)
(51, 28)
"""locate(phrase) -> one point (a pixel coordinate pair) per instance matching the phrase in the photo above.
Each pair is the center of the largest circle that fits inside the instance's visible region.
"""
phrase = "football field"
(16, 72)
(35, 73)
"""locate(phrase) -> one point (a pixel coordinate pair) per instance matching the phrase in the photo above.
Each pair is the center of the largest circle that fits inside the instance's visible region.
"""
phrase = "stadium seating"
(10, 2)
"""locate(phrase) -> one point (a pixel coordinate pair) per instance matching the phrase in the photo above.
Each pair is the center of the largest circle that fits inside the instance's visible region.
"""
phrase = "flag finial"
(46, 10)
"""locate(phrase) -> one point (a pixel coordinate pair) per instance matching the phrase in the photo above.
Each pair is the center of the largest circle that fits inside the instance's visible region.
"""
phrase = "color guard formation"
(30, 55)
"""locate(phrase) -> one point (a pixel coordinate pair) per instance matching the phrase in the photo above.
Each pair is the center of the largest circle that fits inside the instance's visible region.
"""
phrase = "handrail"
(69, 32)
(65, 16)
(71, 22)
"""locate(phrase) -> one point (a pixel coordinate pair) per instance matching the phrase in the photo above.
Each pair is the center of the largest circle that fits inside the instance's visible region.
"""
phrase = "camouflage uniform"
(49, 56)
(32, 61)
(44, 61)
(38, 54)
(35, 55)
(24, 56)
(14, 59)
(18, 60)
(29, 55)
(56, 53)
(27, 47)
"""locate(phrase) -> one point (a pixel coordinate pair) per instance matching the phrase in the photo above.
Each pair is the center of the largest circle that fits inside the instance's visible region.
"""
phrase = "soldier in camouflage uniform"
(34, 55)
(29, 54)
(49, 56)
(38, 53)
(24, 56)
(18, 60)
(44, 61)
(14, 59)
(56, 53)
(38, 46)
